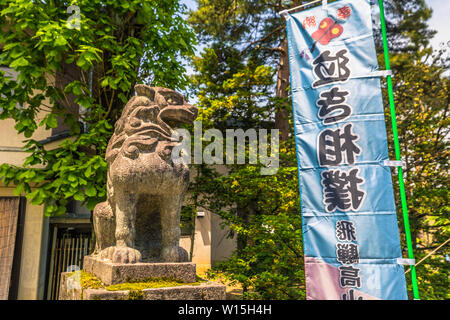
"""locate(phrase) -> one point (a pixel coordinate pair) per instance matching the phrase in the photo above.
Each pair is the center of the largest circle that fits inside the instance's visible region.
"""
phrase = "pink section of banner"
(323, 283)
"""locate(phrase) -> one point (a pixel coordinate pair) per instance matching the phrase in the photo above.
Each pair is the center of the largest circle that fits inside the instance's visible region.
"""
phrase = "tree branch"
(264, 38)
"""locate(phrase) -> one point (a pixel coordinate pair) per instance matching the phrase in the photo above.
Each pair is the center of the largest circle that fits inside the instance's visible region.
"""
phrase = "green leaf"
(56, 165)
(88, 172)
(60, 41)
(61, 210)
(91, 203)
(91, 191)
(21, 62)
(79, 196)
(18, 190)
(29, 174)
(38, 197)
(49, 210)
(50, 121)
(123, 98)
(77, 90)
(72, 177)
(104, 83)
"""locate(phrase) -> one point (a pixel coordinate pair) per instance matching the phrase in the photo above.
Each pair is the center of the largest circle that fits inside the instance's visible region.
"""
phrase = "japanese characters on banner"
(350, 228)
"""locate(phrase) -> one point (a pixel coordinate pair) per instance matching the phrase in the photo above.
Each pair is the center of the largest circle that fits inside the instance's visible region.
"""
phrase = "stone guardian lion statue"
(140, 220)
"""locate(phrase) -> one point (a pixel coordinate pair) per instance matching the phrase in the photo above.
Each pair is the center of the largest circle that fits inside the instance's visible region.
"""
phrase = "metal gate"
(69, 246)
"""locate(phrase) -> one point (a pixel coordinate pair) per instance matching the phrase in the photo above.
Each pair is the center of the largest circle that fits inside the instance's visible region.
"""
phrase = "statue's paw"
(126, 255)
(106, 253)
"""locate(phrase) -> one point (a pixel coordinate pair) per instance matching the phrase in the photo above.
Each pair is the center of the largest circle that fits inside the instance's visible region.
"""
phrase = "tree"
(241, 82)
(235, 85)
(264, 212)
(81, 73)
(422, 104)
(406, 23)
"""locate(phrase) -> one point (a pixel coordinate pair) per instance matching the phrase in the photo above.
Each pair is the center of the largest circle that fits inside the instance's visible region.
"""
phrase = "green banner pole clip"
(397, 152)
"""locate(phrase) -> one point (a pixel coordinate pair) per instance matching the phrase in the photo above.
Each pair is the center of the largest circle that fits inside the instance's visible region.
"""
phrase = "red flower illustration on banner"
(344, 12)
(309, 22)
(328, 30)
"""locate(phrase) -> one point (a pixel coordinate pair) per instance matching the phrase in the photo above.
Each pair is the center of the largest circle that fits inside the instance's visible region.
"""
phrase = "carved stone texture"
(140, 221)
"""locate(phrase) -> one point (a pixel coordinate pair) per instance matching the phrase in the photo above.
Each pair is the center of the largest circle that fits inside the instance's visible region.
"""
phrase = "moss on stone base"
(150, 283)
(88, 280)
(135, 287)
(135, 295)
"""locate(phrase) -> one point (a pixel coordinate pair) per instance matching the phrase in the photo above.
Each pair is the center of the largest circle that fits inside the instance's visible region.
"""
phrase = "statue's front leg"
(104, 226)
(170, 223)
(124, 251)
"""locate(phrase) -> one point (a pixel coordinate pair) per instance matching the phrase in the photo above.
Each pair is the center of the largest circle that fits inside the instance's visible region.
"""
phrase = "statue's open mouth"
(178, 113)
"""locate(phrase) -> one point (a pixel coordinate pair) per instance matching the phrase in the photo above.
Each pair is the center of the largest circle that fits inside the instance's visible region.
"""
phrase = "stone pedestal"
(115, 273)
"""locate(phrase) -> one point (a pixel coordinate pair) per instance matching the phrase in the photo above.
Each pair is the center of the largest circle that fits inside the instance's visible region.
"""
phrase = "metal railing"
(68, 249)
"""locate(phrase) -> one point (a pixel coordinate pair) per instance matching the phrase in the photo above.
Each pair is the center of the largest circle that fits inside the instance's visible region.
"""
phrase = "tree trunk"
(281, 113)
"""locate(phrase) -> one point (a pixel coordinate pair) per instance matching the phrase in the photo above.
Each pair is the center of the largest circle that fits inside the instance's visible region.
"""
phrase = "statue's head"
(147, 123)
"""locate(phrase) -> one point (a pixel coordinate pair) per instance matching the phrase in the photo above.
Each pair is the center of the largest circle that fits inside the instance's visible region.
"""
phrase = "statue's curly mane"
(142, 125)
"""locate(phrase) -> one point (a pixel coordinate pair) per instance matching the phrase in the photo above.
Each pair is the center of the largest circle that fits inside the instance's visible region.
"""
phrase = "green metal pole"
(397, 152)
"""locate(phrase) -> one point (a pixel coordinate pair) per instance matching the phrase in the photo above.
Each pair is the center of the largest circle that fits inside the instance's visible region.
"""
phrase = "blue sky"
(440, 20)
